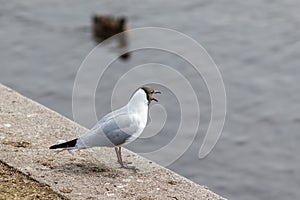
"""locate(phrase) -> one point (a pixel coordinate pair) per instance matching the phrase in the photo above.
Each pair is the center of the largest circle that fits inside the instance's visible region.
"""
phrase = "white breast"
(138, 111)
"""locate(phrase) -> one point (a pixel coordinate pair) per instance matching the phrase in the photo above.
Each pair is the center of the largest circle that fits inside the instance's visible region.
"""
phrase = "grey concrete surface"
(27, 129)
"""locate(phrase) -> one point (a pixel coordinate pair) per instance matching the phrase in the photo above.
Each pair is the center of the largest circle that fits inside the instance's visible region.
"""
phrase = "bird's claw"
(125, 166)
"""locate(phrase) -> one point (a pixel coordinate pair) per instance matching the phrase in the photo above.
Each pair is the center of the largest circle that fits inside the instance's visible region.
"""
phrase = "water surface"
(256, 45)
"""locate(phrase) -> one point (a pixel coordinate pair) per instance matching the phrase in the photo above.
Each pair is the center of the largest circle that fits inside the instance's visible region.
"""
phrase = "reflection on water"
(254, 43)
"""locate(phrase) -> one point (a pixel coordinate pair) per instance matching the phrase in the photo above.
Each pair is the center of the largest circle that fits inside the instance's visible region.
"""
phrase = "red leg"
(122, 163)
(118, 155)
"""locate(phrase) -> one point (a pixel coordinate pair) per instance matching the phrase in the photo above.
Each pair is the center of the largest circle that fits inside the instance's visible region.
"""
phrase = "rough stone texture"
(27, 129)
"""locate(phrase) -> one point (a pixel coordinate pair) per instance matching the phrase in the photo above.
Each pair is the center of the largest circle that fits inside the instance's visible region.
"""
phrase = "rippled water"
(256, 45)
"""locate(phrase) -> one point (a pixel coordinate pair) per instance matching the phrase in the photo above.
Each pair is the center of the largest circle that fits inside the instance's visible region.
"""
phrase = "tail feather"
(68, 144)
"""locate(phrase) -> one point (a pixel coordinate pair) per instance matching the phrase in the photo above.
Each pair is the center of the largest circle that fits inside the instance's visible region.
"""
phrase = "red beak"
(156, 92)
(154, 99)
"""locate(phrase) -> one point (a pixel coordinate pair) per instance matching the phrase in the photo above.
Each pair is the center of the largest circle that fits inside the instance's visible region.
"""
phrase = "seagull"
(117, 128)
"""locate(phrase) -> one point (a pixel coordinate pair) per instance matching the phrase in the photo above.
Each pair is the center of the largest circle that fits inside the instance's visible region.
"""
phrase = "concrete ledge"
(27, 129)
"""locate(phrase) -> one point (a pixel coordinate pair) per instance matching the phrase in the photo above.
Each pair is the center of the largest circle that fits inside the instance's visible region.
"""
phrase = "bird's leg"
(122, 163)
(118, 151)
(118, 155)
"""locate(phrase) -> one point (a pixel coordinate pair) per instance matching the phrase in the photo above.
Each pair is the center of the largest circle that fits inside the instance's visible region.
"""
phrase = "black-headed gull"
(117, 128)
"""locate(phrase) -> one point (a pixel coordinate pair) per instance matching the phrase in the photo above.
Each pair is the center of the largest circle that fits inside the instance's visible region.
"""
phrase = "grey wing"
(119, 129)
(114, 129)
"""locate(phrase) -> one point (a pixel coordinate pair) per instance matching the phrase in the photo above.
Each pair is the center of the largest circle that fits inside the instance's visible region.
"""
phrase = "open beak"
(156, 92)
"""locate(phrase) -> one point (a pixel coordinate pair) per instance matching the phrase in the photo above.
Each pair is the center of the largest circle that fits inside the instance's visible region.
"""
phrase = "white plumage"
(117, 128)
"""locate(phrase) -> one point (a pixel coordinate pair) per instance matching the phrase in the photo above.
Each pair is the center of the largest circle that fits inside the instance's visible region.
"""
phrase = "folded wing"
(113, 129)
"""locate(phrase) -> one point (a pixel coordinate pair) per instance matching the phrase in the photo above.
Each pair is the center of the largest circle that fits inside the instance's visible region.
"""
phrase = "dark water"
(256, 45)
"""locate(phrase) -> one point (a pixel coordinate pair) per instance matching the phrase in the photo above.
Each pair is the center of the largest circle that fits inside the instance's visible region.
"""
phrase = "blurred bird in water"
(104, 27)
